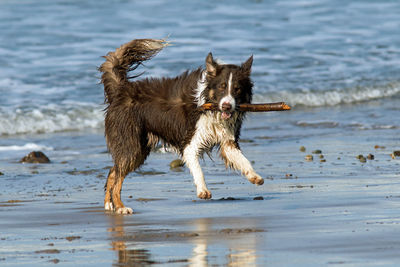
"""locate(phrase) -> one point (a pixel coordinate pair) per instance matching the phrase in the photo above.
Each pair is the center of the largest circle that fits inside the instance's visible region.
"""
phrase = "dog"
(140, 114)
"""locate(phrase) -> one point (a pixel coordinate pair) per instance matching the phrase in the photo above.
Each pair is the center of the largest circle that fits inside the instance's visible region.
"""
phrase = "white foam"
(51, 118)
(27, 146)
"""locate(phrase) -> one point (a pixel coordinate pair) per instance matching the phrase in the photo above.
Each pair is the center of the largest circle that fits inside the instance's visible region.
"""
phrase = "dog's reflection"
(210, 245)
(126, 256)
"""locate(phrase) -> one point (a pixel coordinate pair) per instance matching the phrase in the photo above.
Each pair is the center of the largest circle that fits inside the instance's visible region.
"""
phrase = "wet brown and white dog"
(142, 113)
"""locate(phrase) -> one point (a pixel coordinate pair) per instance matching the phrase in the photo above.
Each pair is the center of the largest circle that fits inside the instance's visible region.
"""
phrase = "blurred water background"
(308, 53)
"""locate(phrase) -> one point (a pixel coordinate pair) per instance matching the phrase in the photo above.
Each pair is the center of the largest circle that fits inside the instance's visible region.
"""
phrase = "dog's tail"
(126, 58)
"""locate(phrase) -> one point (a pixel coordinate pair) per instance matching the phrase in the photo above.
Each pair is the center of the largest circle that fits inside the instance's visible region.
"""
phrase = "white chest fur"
(212, 130)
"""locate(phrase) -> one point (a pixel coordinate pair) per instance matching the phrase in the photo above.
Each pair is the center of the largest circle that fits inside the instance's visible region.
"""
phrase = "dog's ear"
(211, 66)
(246, 66)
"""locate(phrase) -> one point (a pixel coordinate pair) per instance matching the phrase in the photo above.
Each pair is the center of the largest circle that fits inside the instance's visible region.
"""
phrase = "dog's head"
(228, 85)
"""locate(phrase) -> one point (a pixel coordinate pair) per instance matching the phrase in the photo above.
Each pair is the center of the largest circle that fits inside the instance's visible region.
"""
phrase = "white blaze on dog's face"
(227, 102)
(227, 85)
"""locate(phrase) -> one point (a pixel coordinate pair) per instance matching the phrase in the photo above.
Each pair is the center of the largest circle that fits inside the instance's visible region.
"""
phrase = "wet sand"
(339, 212)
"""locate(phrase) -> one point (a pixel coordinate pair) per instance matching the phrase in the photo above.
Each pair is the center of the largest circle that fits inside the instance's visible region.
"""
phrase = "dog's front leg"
(191, 159)
(234, 159)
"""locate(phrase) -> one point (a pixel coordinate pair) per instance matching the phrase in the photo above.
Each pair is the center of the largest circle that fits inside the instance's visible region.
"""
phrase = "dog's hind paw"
(124, 210)
(257, 180)
(204, 194)
(108, 206)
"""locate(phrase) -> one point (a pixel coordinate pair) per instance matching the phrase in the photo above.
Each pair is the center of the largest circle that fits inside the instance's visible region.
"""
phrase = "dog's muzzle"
(226, 109)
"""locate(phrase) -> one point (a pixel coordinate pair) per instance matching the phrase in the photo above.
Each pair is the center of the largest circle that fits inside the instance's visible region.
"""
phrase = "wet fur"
(142, 113)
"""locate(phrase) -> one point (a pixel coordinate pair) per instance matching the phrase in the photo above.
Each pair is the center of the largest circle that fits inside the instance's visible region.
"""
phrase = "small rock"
(363, 159)
(322, 160)
(228, 199)
(379, 147)
(302, 149)
(1, 173)
(71, 238)
(35, 157)
(321, 156)
(359, 156)
(370, 157)
(309, 158)
(317, 151)
(258, 198)
(176, 163)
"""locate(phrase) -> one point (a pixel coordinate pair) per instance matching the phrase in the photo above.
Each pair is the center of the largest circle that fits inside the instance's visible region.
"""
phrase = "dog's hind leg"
(122, 168)
(234, 159)
(119, 207)
(108, 204)
(191, 158)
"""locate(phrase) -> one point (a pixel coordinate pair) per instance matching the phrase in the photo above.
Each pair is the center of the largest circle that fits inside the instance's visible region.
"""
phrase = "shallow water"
(307, 53)
(335, 62)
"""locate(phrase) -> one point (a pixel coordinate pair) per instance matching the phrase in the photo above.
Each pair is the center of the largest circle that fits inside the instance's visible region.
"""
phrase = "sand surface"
(339, 212)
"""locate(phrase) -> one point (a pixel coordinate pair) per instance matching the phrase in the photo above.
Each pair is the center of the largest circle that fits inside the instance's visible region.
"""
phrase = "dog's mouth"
(226, 115)
(226, 108)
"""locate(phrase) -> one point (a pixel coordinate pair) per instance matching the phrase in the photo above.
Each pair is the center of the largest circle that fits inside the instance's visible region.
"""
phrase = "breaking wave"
(314, 98)
(27, 146)
(77, 116)
(50, 118)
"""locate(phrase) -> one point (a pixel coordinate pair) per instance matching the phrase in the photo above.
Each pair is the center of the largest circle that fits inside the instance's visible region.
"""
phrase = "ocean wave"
(77, 116)
(314, 98)
(50, 118)
(27, 146)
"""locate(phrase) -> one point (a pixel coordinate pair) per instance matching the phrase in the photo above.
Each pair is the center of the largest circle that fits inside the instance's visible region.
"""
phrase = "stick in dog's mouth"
(264, 107)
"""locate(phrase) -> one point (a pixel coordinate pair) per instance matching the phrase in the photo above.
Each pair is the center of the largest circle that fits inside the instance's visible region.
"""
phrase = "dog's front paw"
(108, 206)
(124, 210)
(257, 180)
(205, 194)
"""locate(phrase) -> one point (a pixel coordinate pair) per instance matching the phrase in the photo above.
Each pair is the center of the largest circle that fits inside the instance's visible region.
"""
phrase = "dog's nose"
(226, 106)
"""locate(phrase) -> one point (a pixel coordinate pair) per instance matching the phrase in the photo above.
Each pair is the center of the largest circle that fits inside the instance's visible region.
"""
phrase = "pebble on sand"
(176, 163)
(317, 151)
(302, 149)
(309, 158)
(35, 157)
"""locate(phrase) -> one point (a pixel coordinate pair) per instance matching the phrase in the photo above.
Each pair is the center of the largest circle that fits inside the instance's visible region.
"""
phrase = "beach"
(336, 63)
(338, 212)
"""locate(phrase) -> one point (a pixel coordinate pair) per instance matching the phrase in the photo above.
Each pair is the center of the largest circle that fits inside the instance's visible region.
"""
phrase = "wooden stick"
(279, 106)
